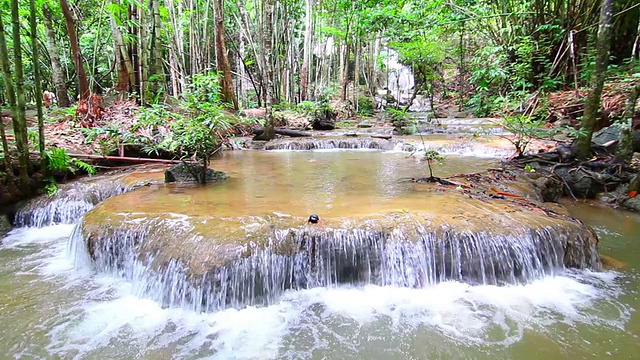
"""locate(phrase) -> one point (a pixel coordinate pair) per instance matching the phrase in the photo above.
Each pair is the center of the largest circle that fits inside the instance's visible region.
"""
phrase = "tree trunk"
(8, 85)
(11, 96)
(76, 54)
(306, 55)
(155, 68)
(126, 76)
(592, 104)
(36, 79)
(625, 146)
(226, 83)
(57, 72)
(19, 117)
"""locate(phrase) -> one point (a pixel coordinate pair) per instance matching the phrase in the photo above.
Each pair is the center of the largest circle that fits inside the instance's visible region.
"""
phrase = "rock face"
(191, 173)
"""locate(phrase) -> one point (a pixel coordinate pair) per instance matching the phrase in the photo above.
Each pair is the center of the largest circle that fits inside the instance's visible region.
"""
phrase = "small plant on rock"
(432, 156)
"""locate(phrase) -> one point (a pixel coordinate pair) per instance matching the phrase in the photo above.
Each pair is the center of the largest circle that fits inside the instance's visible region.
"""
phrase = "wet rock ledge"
(206, 262)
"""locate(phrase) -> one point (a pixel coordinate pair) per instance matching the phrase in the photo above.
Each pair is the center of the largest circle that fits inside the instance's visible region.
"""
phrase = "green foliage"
(402, 121)
(59, 160)
(524, 130)
(50, 187)
(365, 106)
(431, 157)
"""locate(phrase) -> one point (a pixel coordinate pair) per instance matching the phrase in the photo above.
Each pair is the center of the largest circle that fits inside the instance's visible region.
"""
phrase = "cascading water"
(325, 144)
(412, 255)
(175, 273)
(69, 203)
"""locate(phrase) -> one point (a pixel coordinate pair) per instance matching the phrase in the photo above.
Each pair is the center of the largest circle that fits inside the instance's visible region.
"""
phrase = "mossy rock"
(192, 173)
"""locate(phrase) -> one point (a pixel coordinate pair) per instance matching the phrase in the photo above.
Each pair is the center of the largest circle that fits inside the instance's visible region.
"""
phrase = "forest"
(176, 78)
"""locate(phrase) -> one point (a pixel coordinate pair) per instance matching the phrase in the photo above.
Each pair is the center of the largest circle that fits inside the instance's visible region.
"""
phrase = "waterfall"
(331, 143)
(257, 271)
(69, 203)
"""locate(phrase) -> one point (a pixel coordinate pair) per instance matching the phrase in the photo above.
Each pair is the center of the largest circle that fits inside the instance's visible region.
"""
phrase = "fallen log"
(127, 159)
(282, 131)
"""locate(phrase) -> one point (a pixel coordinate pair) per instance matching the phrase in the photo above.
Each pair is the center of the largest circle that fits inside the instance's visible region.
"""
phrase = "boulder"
(191, 173)
(612, 133)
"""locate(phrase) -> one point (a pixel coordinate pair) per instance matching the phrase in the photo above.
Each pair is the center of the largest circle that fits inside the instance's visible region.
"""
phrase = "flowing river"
(54, 305)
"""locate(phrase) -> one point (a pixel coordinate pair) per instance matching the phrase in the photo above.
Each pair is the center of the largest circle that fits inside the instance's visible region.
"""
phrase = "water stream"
(55, 305)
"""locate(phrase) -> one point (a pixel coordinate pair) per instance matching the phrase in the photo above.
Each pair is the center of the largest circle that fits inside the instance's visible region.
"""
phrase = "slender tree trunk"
(36, 79)
(226, 83)
(155, 68)
(268, 53)
(625, 146)
(126, 74)
(76, 54)
(592, 104)
(241, 73)
(11, 96)
(5, 149)
(19, 117)
(306, 55)
(57, 72)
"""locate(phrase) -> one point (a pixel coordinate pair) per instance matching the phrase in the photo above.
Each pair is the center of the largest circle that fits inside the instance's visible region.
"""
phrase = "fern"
(59, 160)
(84, 166)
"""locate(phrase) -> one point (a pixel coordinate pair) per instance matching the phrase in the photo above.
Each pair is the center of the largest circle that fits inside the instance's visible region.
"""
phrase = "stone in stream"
(196, 259)
(191, 173)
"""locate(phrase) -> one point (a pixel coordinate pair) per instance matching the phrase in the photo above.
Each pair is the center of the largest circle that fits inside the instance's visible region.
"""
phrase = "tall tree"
(227, 93)
(83, 84)
(35, 59)
(625, 147)
(19, 117)
(11, 95)
(592, 104)
(57, 71)
(306, 50)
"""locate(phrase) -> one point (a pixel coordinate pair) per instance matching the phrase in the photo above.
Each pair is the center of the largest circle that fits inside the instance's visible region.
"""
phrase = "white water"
(75, 313)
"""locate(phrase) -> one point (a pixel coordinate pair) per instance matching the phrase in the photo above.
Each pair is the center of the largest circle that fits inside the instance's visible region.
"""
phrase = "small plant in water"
(431, 156)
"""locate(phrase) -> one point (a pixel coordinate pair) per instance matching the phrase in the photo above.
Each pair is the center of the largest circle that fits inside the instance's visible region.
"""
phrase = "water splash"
(302, 258)
(455, 148)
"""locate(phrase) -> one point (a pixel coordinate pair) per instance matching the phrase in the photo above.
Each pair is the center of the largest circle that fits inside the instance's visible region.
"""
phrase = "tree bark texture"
(19, 118)
(592, 104)
(227, 93)
(76, 54)
(57, 72)
(36, 79)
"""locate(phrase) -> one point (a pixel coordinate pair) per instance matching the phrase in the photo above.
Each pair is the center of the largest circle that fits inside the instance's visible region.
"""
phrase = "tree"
(36, 78)
(592, 104)
(18, 113)
(57, 71)
(226, 83)
(76, 54)
(11, 95)
(624, 152)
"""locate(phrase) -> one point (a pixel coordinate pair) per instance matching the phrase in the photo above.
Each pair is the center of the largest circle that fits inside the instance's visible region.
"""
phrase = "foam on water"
(103, 318)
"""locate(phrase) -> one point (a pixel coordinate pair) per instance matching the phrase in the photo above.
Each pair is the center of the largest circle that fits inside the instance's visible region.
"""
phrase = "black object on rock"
(313, 219)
